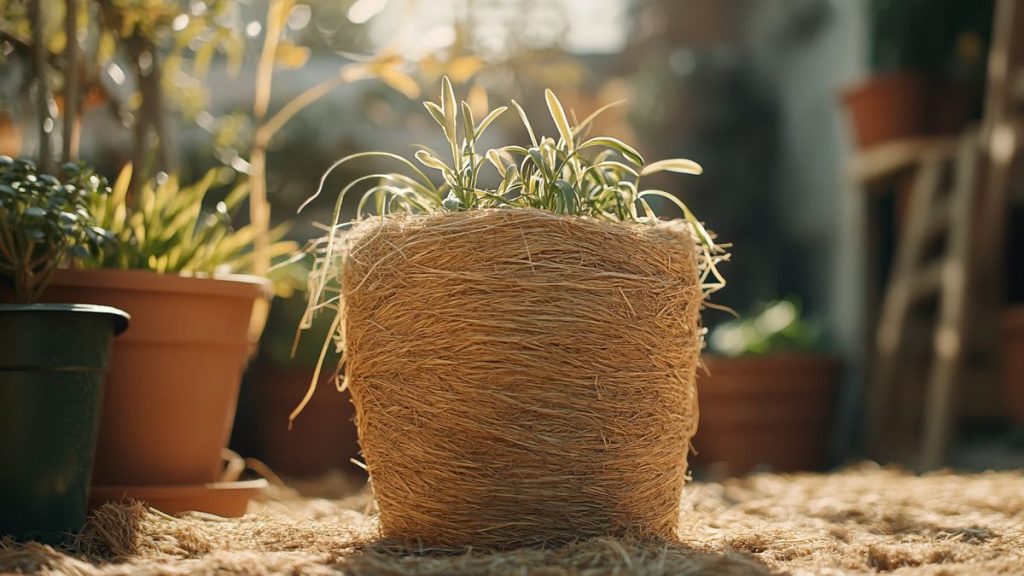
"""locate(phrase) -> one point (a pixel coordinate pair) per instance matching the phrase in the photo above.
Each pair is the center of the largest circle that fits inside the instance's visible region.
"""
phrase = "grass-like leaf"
(677, 165)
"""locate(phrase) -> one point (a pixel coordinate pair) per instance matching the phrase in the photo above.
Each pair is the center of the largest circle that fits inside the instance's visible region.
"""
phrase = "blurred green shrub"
(777, 326)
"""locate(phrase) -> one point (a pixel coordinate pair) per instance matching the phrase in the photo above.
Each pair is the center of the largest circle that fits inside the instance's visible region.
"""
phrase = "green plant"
(44, 221)
(166, 229)
(777, 326)
(574, 174)
(596, 177)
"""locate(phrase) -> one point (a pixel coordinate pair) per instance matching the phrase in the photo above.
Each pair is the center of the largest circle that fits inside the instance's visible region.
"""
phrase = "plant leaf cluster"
(572, 173)
(45, 221)
(774, 327)
(166, 229)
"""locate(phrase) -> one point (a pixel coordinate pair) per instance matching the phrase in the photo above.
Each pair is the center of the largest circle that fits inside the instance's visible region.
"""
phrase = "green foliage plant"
(166, 229)
(570, 173)
(45, 221)
(775, 327)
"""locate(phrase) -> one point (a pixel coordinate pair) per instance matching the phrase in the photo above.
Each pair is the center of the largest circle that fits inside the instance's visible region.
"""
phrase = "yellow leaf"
(430, 67)
(106, 48)
(290, 56)
(57, 42)
(400, 81)
(462, 68)
(386, 59)
(201, 63)
(477, 99)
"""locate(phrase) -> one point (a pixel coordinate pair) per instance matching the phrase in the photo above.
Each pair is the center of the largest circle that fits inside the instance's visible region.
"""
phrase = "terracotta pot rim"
(231, 285)
(872, 80)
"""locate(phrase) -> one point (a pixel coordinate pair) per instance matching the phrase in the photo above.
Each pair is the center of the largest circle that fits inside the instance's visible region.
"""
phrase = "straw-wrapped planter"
(521, 377)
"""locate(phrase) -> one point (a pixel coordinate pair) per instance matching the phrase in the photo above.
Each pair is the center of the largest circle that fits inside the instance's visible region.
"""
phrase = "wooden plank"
(889, 158)
(938, 220)
(927, 282)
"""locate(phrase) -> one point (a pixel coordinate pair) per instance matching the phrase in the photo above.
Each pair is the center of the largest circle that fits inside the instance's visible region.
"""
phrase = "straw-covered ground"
(864, 519)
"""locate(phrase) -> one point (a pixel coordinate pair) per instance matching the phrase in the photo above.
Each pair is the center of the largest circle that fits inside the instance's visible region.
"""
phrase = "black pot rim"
(118, 316)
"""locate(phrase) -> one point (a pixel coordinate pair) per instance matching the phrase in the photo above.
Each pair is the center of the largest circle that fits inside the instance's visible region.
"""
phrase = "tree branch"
(296, 105)
(39, 53)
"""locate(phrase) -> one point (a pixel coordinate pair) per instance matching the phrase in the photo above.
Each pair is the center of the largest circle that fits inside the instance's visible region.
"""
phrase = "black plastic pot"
(53, 360)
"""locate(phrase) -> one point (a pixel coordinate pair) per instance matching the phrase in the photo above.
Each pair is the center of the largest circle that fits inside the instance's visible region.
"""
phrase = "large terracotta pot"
(173, 382)
(1013, 350)
(772, 411)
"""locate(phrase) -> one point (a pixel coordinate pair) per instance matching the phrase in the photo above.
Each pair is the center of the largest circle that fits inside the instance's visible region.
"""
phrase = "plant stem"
(71, 91)
(259, 210)
(297, 104)
(35, 14)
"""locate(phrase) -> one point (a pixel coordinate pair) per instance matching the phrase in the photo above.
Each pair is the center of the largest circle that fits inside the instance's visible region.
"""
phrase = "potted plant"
(52, 356)
(520, 344)
(926, 79)
(767, 395)
(173, 384)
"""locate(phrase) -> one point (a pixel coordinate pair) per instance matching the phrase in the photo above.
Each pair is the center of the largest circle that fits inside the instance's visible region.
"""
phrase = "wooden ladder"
(969, 209)
(932, 263)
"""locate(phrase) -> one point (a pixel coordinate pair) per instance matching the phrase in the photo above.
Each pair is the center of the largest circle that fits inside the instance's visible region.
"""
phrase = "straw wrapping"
(522, 378)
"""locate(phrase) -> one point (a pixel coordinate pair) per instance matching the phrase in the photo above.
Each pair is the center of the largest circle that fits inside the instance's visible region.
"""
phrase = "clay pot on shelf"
(898, 105)
(770, 411)
(887, 107)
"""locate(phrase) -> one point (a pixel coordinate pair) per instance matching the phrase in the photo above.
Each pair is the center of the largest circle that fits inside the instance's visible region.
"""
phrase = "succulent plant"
(45, 222)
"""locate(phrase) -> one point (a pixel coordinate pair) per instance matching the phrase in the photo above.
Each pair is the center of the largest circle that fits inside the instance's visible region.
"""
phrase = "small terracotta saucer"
(226, 499)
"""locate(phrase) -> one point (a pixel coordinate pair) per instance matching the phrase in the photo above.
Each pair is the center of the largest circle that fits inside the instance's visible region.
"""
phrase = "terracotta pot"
(1013, 350)
(770, 411)
(173, 382)
(323, 437)
(887, 107)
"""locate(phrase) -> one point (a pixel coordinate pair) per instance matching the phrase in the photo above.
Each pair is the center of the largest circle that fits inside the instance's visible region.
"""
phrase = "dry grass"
(520, 377)
(862, 520)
